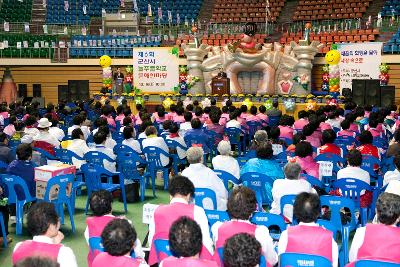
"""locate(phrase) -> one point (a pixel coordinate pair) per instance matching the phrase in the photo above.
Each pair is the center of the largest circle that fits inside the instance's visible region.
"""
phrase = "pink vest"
(313, 240)
(286, 132)
(229, 229)
(381, 242)
(187, 262)
(252, 117)
(95, 227)
(346, 133)
(106, 260)
(179, 119)
(263, 117)
(354, 127)
(164, 217)
(299, 124)
(31, 248)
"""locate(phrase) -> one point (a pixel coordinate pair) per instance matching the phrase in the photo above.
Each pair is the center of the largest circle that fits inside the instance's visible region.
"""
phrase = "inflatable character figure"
(247, 44)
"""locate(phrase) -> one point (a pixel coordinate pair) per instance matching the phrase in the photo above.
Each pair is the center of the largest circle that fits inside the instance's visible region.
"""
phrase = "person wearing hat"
(44, 135)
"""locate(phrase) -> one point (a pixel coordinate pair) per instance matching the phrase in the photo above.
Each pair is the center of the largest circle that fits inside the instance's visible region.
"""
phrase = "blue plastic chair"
(10, 181)
(191, 140)
(351, 188)
(93, 174)
(162, 247)
(263, 262)
(154, 164)
(369, 164)
(331, 227)
(315, 182)
(200, 194)
(127, 167)
(372, 263)
(254, 126)
(3, 230)
(226, 177)
(44, 155)
(176, 160)
(118, 137)
(273, 120)
(234, 134)
(66, 156)
(336, 205)
(288, 200)
(269, 220)
(261, 184)
(63, 182)
(122, 149)
(303, 260)
(97, 158)
(214, 216)
(337, 162)
(95, 244)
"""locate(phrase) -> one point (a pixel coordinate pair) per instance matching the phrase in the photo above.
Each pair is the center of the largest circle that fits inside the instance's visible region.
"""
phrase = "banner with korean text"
(359, 61)
(155, 69)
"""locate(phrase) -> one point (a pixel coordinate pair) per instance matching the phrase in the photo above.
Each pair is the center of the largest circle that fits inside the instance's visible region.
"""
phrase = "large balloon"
(105, 61)
(332, 57)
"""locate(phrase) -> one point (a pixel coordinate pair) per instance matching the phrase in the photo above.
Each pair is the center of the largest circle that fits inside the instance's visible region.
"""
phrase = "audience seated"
(304, 157)
(302, 121)
(353, 169)
(207, 179)
(181, 191)
(184, 127)
(10, 128)
(6, 155)
(366, 147)
(297, 138)
(129, 140)
(308, 237)
(54, 130)
(224, 161)
(394, 145)
(233, 120)
(379, 241)
(345, 126)
(310, 132)
(198, 133)
(242, 250)
(78, 146)
(100, 139)
(291, 185)
(214, 125)
(174, 134)
(153, 140)
(264, 163)
(274, 111)
(160, 115)
(44, 136)
(101, 206)
(334, 120)
(242, 204)
(393, 175)
(328, 145)
(78, 121)
(262, 116)
(285, 126)
(106, 111)
(185, 239)
(44, 225)
(119, 239)
(260, 137)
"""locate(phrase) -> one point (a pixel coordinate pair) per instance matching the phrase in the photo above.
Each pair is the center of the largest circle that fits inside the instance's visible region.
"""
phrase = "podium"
(220, 84)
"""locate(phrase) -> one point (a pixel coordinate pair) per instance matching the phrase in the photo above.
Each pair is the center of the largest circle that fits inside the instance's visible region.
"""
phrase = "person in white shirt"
(110, 143)
(393, 175)
(379, 241)
(291, 185)
(153, 140)
(184, 127)
(78, 146)
(308, 237)
(242, 203)
(30, 128)
(54, 130)
(203, 177)
(353, 169)
(233, 122)
(78, 121)
(44, 134)
(130, 141)
(44, 225)
(224, 161)
(100, 139)
(175, 135)
(334, 119)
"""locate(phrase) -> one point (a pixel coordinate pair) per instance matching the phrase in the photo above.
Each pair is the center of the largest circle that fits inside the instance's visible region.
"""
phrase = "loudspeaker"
(37, 90)
(372, 92)
(22, 90)
(346, 92)
(387, 95)
(358, 92)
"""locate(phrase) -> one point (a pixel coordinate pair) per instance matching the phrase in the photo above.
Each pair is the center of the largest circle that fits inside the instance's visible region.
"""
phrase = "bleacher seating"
(330, 9)
(392, 46)
(56, 13)
(114, 46)
(228, 11)
(16, 11)
(218, 39)
(187, 8)
(38, 46)
(391, 7)
(350, 36)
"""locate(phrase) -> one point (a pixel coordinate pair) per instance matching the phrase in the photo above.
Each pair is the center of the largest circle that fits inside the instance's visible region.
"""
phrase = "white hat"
(44, 123)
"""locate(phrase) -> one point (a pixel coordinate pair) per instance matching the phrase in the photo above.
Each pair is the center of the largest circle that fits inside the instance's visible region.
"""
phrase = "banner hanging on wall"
(155, 69)
(359, 61)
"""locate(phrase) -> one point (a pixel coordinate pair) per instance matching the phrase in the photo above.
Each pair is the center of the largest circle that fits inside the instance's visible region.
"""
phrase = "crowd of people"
(82, 127)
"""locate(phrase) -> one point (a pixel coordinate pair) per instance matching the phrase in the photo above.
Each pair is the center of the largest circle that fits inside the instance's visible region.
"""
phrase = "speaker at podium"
(220, 84)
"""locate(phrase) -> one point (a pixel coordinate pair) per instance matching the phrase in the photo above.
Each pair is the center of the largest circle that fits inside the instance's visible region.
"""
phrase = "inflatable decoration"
(285, 85)
(247, 102)
(247, 43)
(105, 63)
(139, 100)
(332, 58)
(128, 80)
(167, 103)
(332, 102)
(384, 76)
(303, 80)
(187, 101)
(325, 78)
(307, 32)
(206, 102)
(289, 104)
(268, 104)
(311, 105)
(186, 81)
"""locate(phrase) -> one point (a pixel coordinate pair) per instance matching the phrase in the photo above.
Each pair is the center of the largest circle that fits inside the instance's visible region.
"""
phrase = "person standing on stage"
(118, 81)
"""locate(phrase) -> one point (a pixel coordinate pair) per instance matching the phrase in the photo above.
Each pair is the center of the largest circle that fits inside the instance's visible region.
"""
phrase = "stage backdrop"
(359, 61)
(155, 69)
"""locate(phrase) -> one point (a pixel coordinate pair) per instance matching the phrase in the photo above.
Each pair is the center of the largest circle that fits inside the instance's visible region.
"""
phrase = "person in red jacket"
(366, 147)
(328, 139)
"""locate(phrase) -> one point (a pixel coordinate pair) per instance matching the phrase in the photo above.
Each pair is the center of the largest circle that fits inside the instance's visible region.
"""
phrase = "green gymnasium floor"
(77, 241)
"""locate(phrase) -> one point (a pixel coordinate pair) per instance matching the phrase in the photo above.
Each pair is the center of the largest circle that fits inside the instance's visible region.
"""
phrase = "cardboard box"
(44, 173)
